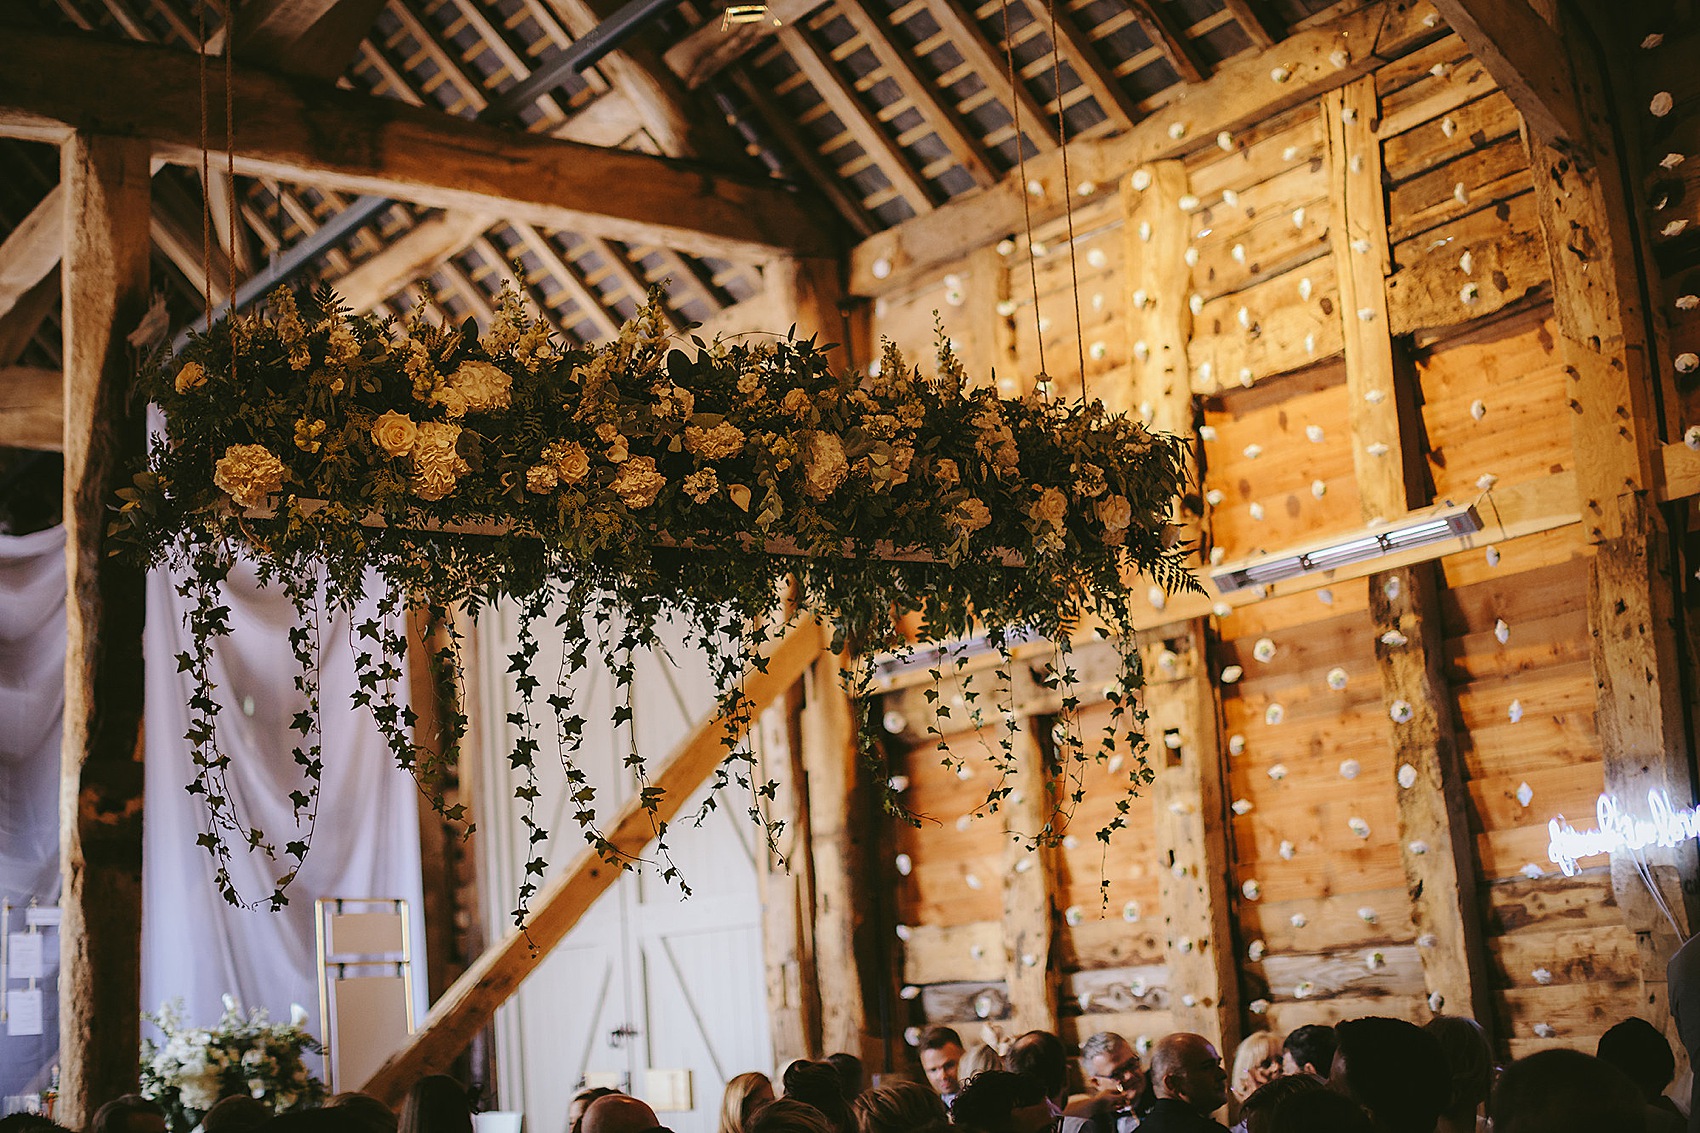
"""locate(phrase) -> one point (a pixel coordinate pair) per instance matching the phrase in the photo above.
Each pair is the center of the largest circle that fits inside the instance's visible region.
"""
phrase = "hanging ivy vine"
(644, 482)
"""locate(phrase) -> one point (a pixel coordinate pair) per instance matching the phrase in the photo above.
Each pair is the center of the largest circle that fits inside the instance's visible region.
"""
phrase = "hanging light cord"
(1026, 207)
(1068, 200)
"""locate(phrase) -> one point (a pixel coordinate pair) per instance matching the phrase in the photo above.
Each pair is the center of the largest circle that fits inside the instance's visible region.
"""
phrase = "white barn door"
(647, 983)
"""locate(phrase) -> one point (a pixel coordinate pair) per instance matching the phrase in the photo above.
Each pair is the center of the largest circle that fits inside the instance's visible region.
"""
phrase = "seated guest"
(981, 1057)
(1395, 1070)
(745, 1094)
(941, 1058)
(1637, 1048)
(236, 1114)
(1324, 1112)
(581, 1102)
(1308, 1050)
(1469, 1060)
(1257, 1060)
(787, 1115)
(1116, 1083)
(998, 1101)
(436, 1104)
(1257, 1115)
(617, 1113)
(1566, 1091)
(1190, 1084)
(898, 1107)
(30, 1123)
(849, 1069)
(817, 1084)
(131, 1113)
(373, 1115)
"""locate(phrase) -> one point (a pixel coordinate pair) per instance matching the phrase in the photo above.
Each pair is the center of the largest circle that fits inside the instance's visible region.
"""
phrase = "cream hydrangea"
(969, 516)
(722, 441)
(437, 467)
(541, 479)
(947, 474)
(824, 468)
(249, 473)
(638, 483)
(485, 387)
(701, 485)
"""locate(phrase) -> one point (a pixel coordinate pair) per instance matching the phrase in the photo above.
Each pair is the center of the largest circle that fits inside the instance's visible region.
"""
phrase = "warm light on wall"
(1666, 825)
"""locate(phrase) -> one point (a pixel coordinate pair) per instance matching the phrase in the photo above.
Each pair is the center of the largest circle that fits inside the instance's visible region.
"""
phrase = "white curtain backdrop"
(196, 947)
(32, 701)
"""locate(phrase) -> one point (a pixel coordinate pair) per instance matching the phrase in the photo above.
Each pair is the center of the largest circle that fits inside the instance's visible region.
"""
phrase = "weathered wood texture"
(1029, 885)
(788, 892)
(105, 194)
(468, 1005)
(296, 129)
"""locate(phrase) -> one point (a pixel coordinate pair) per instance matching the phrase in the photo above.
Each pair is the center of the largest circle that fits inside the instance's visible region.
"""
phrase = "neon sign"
(1666, 825)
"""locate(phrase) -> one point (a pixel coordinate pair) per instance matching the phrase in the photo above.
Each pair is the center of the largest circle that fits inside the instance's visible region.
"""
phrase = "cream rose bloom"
(249, 473)
(795, 402)
(1051, 508)
(436, 464)
(824, 467)
(638, 483)
(394, 433)
(1115, 513)
(572, 463)
(969, 516)
(191, 377)
(484, 386)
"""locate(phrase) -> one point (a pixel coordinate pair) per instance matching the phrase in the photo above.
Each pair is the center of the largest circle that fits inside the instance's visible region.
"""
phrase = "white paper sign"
(23, 1011)
(43, 916)
(23, 958)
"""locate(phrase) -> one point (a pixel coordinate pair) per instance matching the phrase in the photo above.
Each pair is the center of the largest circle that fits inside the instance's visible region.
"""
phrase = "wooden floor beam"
(468, 1005)
(106, 195)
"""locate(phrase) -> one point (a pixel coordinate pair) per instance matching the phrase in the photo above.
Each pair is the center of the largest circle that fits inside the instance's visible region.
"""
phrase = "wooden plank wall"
(1321, 916)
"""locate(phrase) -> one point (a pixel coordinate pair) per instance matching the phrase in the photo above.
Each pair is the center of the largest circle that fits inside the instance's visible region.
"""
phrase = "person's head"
(941, 1058)
(618, 1113)
(817, 1084)
(1041, 1056)
(581, 1102)
(1186, 1067)
(1109, 1062)
(1321, 1111)
(745, 1094)
(1308, 1050)
(131, 1113)
(1469, 1061)
(1394, 1069)
(980, 1058)
(1565, 1091)
(787, 1115)
(849, 1069)
(1256, 1060)
(1000, 1101)
(30, 1123)
(436, 1104)
(373, 1115)
(1641, 1051)
(1258, 1110)
(236, 1114)
(323, 1120)
(898, 1107)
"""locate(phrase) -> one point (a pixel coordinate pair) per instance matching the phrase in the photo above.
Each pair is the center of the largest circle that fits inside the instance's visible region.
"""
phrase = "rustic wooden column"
(1029, 885)
(105, 184)
(788, 889)
(1434, 828)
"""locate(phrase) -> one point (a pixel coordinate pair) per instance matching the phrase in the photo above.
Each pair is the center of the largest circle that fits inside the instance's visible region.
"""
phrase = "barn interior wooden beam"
(1525, 56)
(355, 143)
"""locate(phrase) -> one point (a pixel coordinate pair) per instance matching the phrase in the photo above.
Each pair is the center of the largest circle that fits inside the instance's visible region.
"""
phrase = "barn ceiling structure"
(1435, 241)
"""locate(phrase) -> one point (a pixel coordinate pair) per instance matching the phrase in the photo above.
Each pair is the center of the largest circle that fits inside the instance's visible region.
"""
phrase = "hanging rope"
(1026, 207)
(206, 204)
(230, 146)
(1068, 198)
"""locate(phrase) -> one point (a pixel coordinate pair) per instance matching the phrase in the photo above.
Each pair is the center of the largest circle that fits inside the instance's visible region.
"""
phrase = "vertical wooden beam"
(1590, 234)
(1191, 818)
(105, 189)
(1435, 845)
(1190, 814)
(788, 891)
(1029, 883)
(838, 847)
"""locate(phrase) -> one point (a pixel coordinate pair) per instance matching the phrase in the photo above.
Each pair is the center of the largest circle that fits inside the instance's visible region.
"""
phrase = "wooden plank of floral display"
(470, 1003)
(106, 194)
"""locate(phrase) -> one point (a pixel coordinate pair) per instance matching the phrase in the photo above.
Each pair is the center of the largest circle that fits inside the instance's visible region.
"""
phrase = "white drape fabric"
(32, 702)
(366, 844)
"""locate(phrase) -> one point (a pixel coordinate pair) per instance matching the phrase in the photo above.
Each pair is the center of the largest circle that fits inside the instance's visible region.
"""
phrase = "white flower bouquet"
(246, 1053)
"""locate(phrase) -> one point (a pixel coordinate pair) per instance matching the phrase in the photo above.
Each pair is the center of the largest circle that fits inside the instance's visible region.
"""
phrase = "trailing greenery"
(640, 482)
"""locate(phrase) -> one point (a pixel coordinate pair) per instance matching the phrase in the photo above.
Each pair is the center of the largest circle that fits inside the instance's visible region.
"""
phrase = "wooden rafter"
(412, 256)
(1165, 35)
(32, 408)
(982, 57)
(800, 150)
(711, 49)
(315, 38)
(583, 296)
(32, 249)
(355, 143)
(1526, 58)
(1082, 56)
(1256, 20)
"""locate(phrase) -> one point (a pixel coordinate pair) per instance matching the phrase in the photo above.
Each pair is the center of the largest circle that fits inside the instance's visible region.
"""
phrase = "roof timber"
(351, 142)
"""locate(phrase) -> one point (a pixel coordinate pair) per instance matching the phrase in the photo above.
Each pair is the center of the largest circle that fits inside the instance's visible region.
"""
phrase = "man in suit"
(1682, 975)
(1190, 1084)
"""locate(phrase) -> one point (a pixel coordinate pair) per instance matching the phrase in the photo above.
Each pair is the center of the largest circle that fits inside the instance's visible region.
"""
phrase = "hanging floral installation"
(642, 482)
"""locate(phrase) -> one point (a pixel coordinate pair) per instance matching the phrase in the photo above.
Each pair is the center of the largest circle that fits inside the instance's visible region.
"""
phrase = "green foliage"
(631, 485)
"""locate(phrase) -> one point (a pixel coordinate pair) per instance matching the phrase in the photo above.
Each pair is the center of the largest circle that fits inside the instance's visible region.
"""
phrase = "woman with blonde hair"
(898, 1107)
(980, 1057)
(1256, 1062)
(744, 1094)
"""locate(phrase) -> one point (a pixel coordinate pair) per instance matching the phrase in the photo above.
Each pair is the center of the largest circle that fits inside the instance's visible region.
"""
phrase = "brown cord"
(206, 201)
(1026, 208)
(1068, 198)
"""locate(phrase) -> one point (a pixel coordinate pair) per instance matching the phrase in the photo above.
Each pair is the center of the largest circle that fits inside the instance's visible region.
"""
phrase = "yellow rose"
(191, 377)
(1115, 513)
(571, 462)
(1051, 507)
(394, 433)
